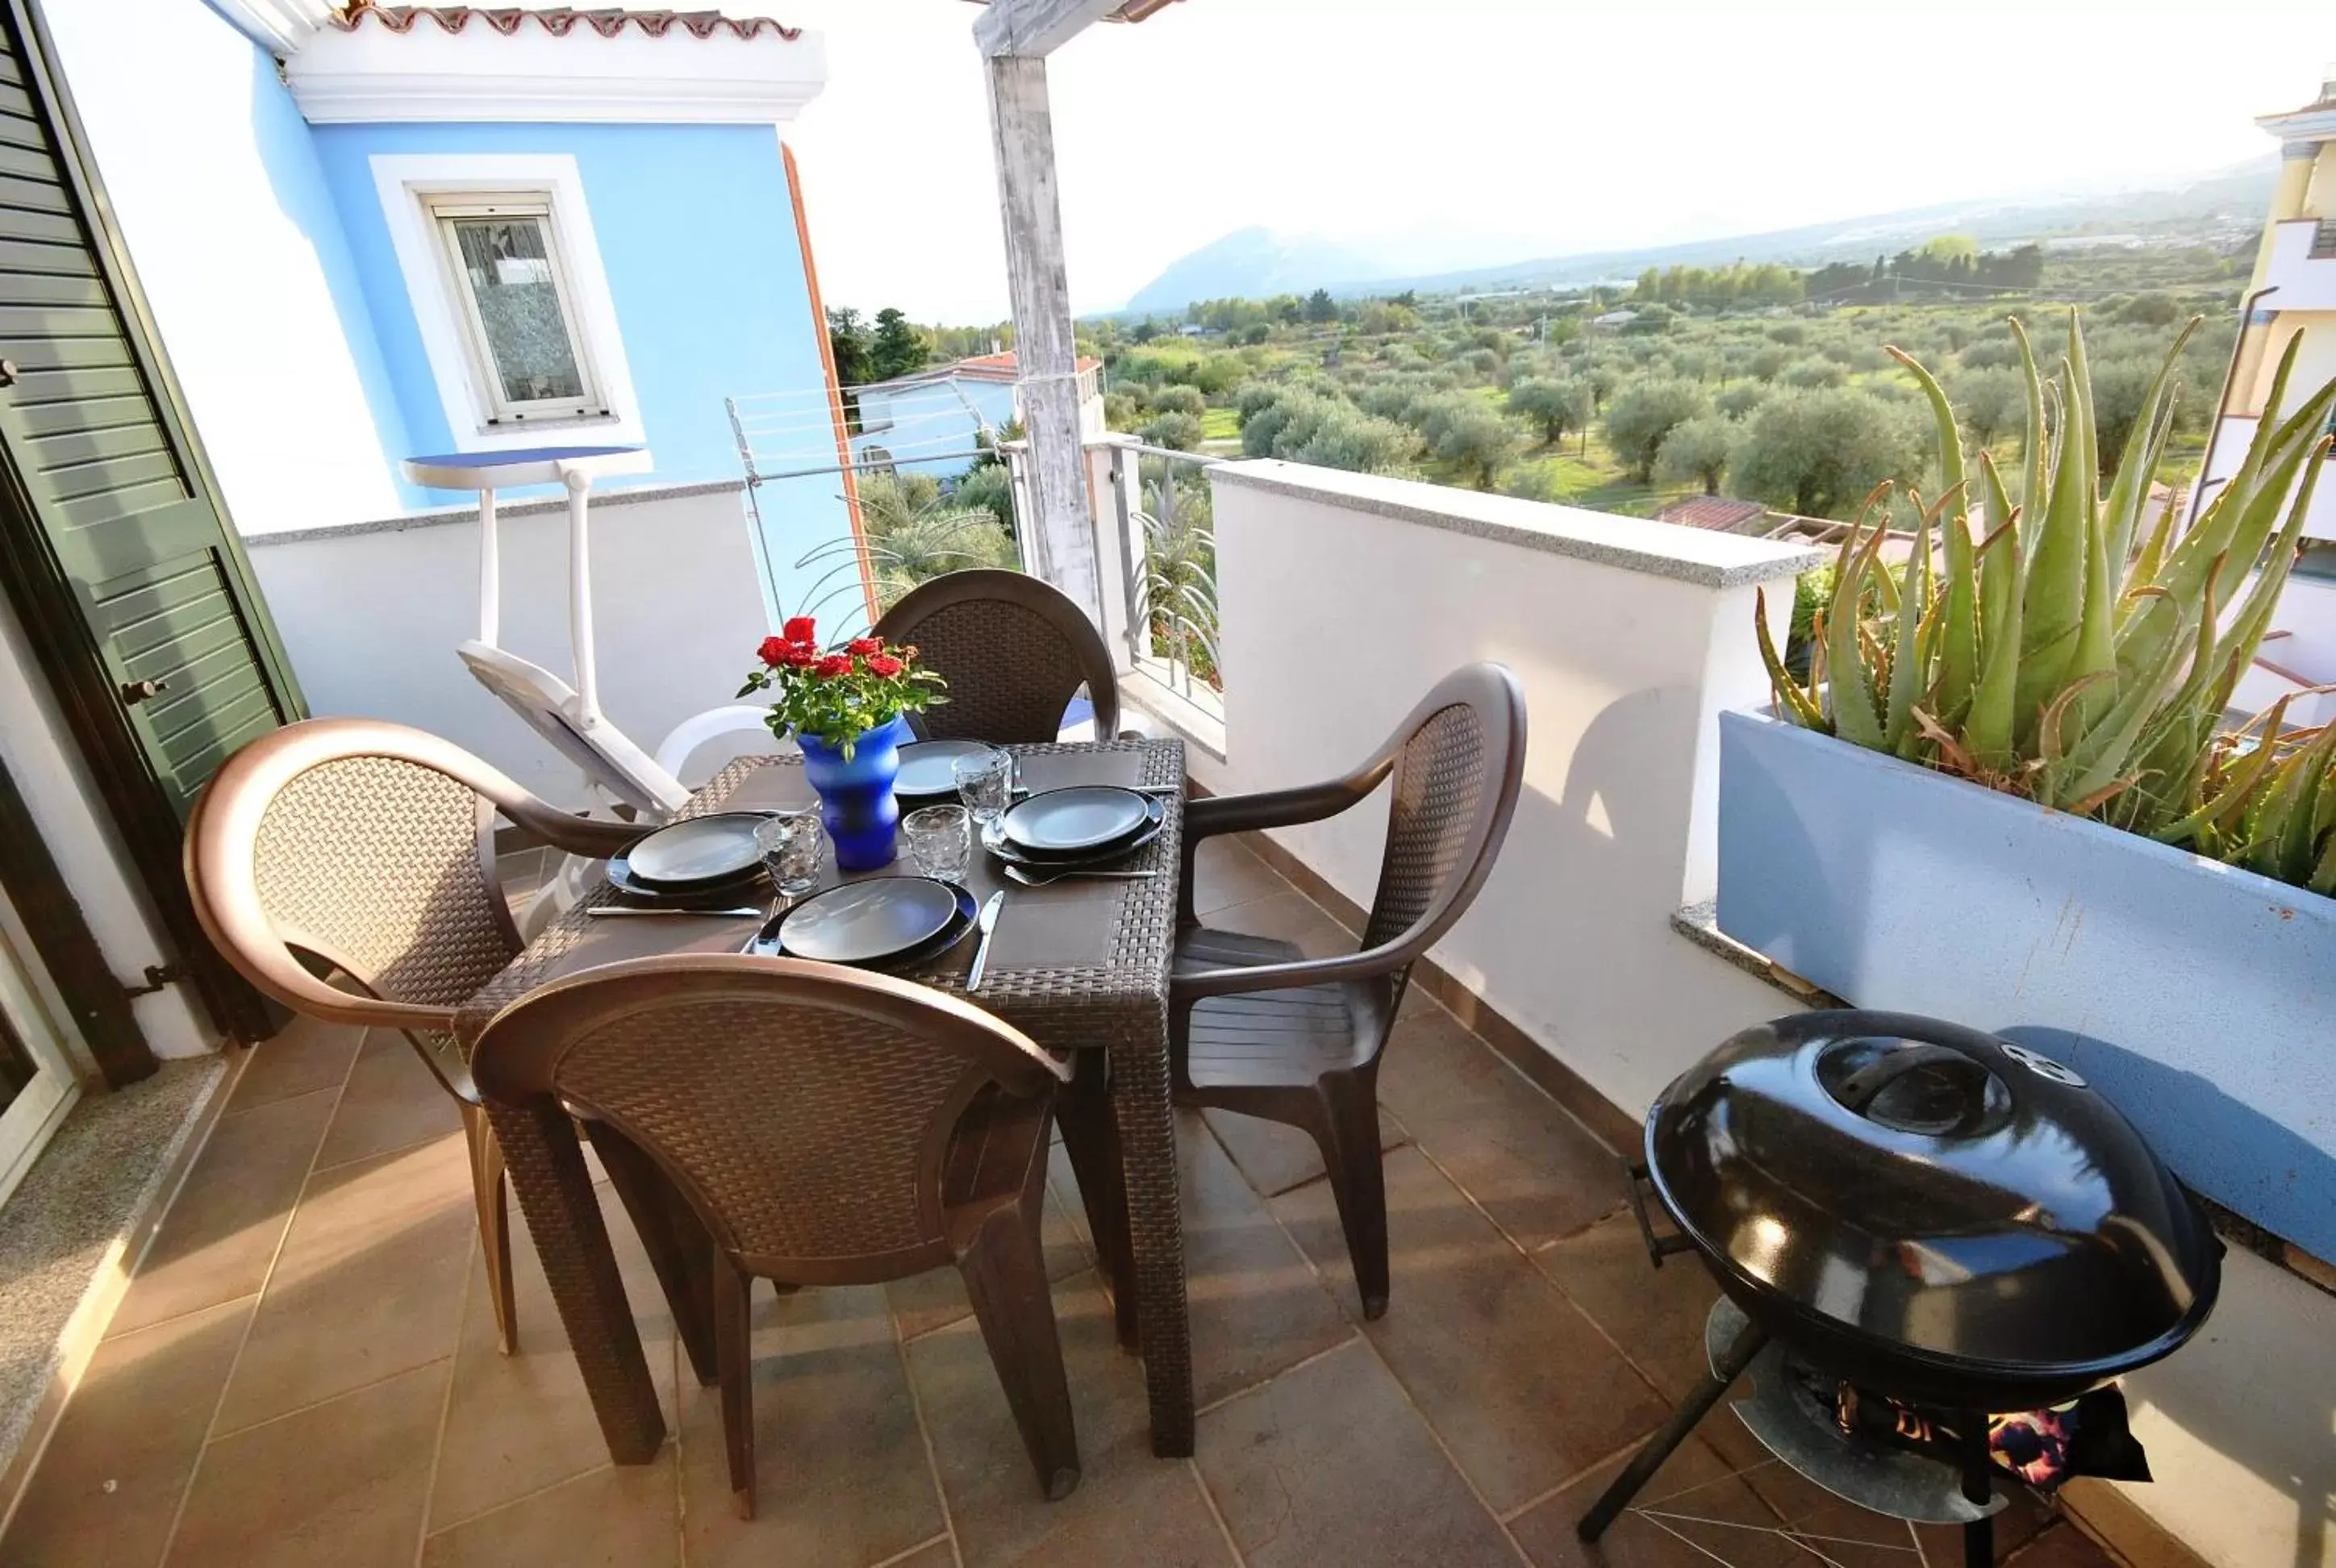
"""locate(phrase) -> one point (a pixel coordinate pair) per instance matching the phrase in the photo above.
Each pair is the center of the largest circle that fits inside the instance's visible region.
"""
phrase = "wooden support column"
(1057, 529)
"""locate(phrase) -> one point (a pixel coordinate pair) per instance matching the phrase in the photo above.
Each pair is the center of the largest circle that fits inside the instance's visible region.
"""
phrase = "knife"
(738, 914)
(989, 923)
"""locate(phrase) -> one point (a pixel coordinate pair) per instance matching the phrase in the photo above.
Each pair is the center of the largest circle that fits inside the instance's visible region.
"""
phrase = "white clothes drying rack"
(567, 717)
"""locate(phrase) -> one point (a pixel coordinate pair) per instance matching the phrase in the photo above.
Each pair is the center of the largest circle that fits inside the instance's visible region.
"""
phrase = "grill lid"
(1902, 1183)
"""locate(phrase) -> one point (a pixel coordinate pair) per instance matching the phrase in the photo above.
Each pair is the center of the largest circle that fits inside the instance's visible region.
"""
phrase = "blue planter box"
(2201, 999)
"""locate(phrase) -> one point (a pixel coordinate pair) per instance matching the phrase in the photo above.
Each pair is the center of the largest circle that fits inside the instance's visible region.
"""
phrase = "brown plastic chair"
(1015, 651)
(825, 1126)
(368, 848)
(1257, 1028)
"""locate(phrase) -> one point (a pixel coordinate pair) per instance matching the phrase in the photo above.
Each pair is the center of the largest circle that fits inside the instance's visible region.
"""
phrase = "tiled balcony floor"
(304, 1371)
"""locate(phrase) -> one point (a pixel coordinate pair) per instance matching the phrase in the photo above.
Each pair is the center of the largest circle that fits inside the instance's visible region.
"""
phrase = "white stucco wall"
(65, 801)
(220, 201)
(371, 617)
(1336, 618)
(1337, 615)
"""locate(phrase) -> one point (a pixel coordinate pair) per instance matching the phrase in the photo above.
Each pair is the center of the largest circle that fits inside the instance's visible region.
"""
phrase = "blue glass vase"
(856, 796)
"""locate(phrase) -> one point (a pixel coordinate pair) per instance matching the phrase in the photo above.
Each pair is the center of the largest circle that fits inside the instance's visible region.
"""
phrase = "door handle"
(134, 692)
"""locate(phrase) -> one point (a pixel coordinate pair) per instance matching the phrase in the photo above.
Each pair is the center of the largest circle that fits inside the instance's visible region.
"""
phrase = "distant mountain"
(1253, 263)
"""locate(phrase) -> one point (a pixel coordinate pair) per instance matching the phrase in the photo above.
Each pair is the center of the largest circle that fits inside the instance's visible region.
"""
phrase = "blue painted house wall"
(288, 150)
(938, 417)
(696, 233)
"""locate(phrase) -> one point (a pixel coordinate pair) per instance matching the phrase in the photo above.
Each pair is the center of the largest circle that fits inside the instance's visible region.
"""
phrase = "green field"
(1762, 393)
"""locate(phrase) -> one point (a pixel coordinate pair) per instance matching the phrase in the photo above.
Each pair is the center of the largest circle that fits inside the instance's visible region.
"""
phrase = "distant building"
(1717, 513)
(932, 421)
(1622, 318)
(2293, 291)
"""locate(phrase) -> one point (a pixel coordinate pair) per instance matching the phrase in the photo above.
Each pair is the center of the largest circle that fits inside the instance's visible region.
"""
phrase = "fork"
(1039, 880)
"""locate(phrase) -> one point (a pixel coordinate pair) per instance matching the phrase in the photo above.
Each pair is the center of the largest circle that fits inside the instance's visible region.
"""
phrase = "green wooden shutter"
(121, 561)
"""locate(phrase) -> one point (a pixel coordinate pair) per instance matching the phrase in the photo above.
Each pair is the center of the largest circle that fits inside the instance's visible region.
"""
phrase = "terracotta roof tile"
(560, 20)
(1720, 513)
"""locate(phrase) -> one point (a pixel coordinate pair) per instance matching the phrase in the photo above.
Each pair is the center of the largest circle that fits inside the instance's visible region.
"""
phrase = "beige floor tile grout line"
(471, 1258)
(424, 1143)
(924, 1432)
(211, 1428)
(1209, 1501)
(903, 1555)
(1270, 1378)
(1401, 1391)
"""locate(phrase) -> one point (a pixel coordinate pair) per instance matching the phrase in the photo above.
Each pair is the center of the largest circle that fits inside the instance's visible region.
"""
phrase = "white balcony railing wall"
(1343, 597)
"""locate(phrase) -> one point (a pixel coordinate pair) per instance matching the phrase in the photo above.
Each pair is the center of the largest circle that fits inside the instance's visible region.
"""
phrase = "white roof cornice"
(2313, 122)
(371, 73)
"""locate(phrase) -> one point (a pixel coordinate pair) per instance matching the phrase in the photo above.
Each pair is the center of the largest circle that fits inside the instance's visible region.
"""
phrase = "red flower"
(863, 645)
(800, 629)
(885, 665)
(833, 664)
(773, 651)
(800, 655)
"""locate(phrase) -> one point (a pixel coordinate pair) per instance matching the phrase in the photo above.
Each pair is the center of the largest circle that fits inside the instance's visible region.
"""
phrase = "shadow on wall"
(1605, 859)
(2285, 1411)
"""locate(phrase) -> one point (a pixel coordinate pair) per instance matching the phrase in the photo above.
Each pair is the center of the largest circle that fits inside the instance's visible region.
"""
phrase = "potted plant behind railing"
(2008, 795)
(846, 707)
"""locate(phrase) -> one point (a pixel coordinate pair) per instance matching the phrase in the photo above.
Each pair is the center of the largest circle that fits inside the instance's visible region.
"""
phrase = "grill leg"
(1979, 1535)
(1649, 1458)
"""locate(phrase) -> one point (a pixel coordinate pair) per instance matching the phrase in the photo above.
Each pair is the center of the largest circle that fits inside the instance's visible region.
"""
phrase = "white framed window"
(528, 358)
(510, 298)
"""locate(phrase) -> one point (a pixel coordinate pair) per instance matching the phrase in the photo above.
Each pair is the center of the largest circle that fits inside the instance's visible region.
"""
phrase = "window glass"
(507, 264)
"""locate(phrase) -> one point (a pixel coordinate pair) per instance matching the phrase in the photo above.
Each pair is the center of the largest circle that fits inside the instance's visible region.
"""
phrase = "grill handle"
(1858, 1090)
(1658, 1247)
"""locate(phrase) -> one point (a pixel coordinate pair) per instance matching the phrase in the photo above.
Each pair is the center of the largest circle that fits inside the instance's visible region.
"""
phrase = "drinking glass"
(985, 783)
(941, 841)
(794, 847)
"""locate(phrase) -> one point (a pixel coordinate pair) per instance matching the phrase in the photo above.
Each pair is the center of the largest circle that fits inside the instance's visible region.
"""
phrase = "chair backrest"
(808, 1112)
(365, 845)
(1457, 763)
(1015, 651)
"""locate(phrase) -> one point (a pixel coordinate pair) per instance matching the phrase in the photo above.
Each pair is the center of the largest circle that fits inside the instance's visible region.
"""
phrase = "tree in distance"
(1819, 452)
(1697, 452)
(898, 346)
(1993, 401)
(1556, 406)
(1644, 412)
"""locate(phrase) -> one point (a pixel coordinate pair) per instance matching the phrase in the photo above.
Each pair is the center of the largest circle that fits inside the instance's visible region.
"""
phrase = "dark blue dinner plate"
(770, 941)
(995, 840)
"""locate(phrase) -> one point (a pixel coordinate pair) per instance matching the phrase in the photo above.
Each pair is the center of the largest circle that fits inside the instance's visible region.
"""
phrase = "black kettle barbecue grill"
(1926, 1213)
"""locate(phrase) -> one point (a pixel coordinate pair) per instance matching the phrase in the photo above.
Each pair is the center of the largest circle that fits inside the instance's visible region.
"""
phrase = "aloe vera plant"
(2059, 642)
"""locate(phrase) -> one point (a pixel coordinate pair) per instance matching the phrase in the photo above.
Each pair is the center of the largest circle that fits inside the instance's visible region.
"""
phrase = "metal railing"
(1164, 515)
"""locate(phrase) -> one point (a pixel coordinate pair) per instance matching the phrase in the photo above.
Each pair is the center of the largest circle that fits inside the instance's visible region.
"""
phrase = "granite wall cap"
(1630, 543)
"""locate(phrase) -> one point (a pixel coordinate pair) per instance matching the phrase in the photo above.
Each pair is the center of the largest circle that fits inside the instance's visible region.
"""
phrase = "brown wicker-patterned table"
(1077, 966)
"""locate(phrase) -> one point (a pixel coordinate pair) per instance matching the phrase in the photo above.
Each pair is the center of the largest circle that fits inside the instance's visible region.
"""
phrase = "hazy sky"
(1455, 131)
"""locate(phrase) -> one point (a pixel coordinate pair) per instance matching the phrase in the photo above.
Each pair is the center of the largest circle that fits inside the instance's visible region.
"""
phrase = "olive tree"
(1992, 401)
(1697, 452)
(1556, 405)
(1818, 453)
(1644, 412)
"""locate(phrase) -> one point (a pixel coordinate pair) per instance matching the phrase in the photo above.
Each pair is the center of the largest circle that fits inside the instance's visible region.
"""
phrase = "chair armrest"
(595, 838)
(1209, 815)
(1184, 990)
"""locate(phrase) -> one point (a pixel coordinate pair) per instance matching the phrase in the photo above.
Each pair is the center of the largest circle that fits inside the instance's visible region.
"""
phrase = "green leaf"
(1799, 704)
(1988, 731)
(1849, 692)
(2053, 609)
(2137, 463)
(1906, 669)
(2035, 458)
